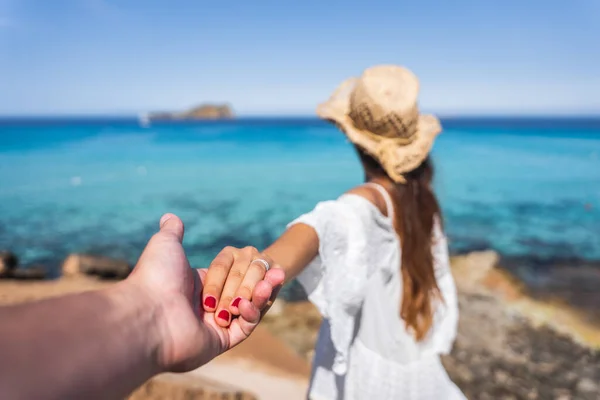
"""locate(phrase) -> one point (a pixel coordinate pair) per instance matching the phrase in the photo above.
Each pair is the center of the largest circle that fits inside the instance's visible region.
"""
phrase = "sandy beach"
(509, 346)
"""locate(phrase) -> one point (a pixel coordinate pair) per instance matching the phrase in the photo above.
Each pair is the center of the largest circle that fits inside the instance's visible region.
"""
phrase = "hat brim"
(396, 159)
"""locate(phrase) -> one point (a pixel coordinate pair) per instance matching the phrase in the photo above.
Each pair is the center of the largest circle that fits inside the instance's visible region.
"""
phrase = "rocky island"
(201, 112)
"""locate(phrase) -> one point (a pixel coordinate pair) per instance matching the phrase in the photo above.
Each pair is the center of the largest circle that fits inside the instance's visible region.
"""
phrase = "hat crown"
(384, 102)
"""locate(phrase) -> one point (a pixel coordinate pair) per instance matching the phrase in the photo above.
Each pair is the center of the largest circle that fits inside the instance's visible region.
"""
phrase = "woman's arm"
(297, 247)
(292, 252)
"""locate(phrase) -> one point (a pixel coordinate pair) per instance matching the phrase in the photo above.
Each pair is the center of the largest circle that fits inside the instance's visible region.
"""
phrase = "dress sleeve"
(335, 280)
(446, 318)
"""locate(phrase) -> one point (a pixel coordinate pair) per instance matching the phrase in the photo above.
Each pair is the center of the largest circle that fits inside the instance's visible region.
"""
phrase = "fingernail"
(224, 315)
(164, 219)
(210, 302)
(236, 302)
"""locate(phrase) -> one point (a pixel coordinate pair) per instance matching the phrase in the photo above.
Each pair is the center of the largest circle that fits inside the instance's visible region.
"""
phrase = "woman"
(374, 261)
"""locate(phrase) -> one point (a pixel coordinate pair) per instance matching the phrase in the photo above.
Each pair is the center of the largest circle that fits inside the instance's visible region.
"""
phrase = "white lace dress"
(363, 350)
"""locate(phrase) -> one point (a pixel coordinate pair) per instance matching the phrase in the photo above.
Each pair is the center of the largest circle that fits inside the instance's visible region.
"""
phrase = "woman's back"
(380, 328)
(359, 240)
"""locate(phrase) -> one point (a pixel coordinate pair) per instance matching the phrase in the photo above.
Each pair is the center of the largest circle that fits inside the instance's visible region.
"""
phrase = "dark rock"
(8, 262)
(103, 267)
(36, 272)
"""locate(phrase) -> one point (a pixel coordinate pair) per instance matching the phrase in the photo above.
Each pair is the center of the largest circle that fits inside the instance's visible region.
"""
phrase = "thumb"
(170, 224)
(202, 272)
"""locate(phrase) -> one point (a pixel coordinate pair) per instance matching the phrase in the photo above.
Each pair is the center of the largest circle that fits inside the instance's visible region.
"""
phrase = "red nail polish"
(236, 302)
(224, 315)
(210, 302)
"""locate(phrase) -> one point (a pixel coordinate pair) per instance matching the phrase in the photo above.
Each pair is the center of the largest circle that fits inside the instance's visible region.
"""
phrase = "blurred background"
(112, 113)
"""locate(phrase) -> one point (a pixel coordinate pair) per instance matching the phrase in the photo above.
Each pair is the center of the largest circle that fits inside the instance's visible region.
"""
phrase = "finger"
(255, 273)
(276, 278)
(250, 314)
(263, 296)
(250, 310)
(215, 278)
(170, 224)
(202, 272)
(240, 266)
(171, 230)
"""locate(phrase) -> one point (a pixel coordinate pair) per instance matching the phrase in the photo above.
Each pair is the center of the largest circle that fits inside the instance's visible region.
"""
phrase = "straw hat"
(378, 112)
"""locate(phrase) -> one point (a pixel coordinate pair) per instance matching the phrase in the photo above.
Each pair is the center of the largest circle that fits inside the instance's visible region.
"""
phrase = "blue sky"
(284, 57)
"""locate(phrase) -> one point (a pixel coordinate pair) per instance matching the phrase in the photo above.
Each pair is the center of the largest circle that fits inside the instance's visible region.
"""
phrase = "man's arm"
(98, 344)
(104, 344)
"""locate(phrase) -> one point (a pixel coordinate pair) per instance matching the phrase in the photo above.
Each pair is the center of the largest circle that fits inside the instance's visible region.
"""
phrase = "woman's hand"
(232, 279)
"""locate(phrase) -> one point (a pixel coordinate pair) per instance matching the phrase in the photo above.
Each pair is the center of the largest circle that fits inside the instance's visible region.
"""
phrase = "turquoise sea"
(528, 188)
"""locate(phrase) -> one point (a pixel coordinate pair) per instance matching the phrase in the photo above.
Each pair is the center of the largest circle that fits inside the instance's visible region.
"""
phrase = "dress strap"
(389, 204)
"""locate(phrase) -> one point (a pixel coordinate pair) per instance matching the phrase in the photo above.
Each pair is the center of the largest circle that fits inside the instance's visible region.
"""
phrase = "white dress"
(363, 350)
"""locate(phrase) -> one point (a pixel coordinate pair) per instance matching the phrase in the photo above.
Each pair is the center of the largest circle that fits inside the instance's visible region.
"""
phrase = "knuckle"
(218, 266)
(251, 250)
(245, 291)
(235, 274)
(230, 249)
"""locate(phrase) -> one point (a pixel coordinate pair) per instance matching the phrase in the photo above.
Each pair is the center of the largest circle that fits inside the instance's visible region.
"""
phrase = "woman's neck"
(380, 180)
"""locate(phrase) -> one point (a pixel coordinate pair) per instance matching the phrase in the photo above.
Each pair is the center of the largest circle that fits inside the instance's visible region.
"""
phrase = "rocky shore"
(509, 345)
(512, 346)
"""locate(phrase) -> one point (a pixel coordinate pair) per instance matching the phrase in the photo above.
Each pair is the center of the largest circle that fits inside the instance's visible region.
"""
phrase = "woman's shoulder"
(362, 207)
(371, 195)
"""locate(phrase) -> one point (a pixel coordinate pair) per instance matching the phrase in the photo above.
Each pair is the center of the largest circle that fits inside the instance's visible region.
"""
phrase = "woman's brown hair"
(416, 209)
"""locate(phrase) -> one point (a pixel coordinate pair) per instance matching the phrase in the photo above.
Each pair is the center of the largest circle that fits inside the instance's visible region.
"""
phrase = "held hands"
(190, 334)
(233, 279)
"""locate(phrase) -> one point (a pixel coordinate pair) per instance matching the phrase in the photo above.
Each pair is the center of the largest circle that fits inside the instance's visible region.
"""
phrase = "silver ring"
(265, 263)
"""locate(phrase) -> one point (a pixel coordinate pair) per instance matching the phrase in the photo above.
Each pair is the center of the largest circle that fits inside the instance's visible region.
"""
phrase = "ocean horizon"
(527, 187)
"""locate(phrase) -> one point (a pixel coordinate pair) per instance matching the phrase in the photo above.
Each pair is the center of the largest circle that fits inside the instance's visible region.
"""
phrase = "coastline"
(568, 283)
(509, 345)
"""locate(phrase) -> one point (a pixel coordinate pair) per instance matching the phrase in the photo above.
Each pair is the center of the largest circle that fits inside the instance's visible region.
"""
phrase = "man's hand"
(103, 344)
(189, 335)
